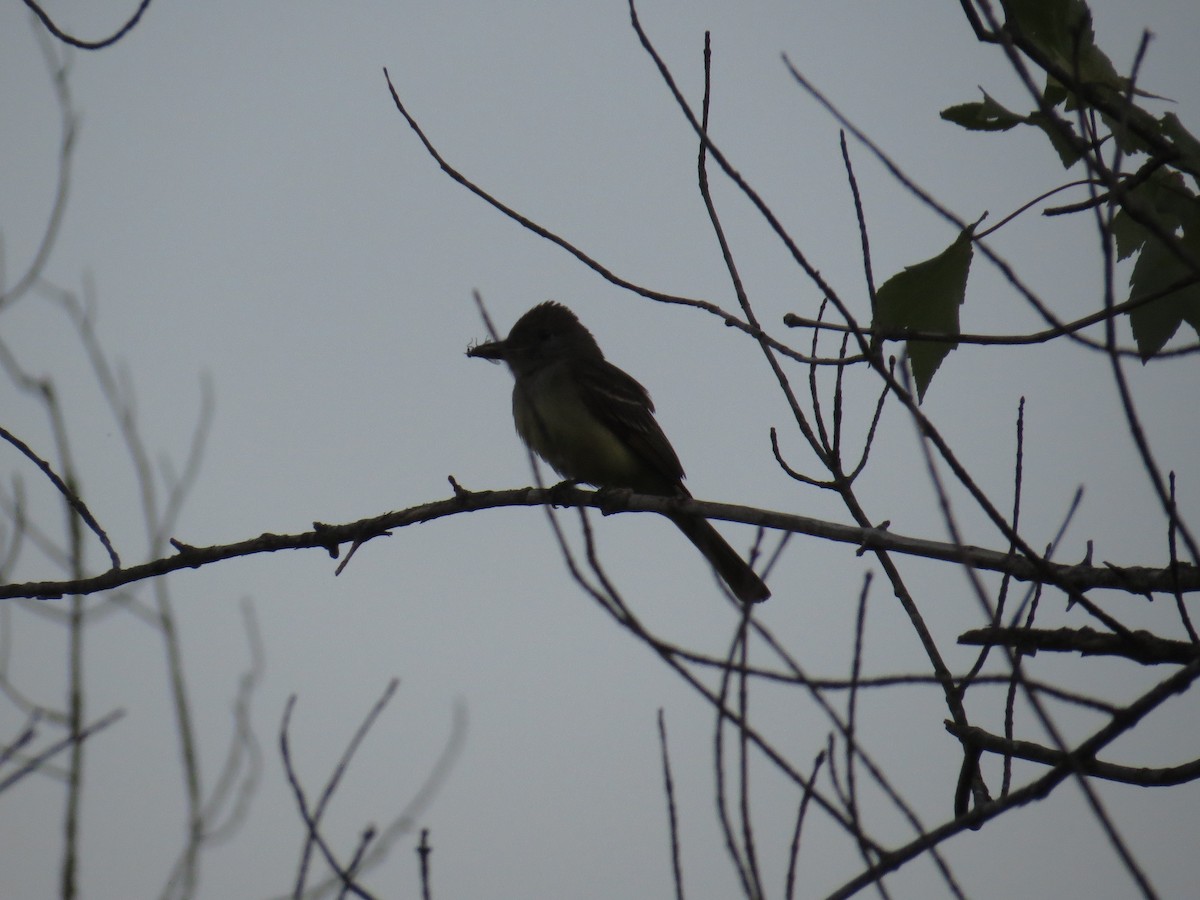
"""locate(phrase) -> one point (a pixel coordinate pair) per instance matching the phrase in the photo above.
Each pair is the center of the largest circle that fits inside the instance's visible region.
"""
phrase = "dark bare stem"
(672, 816)
(794, 848)
(84, 44)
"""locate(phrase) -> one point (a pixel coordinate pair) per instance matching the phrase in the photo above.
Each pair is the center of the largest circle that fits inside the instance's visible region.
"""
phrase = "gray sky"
(247, 204)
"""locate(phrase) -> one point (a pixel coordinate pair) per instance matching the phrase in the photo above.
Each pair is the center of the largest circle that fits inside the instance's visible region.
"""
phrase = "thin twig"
(73, 499)
(672, 816)
(83, 44)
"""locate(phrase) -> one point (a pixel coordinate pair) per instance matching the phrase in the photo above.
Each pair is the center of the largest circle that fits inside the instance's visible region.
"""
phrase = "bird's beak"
(493, 350)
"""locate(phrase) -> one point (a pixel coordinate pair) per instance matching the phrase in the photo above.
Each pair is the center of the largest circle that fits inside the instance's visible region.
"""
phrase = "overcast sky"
(247, 206)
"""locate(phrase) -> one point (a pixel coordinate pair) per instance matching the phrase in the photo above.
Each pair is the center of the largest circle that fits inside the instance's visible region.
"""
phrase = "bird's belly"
(563, 432)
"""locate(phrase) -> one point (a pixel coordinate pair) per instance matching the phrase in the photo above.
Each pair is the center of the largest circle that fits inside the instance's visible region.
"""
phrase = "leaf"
(1062, 29)
(926, 297)
(1054, 93)
(1056, 26)
(985, 115)
(1166, 198)
(1121, 129)
(1156, 269)
(1185, 143)
(1066, 150)
(1129, 235)
(988, 115)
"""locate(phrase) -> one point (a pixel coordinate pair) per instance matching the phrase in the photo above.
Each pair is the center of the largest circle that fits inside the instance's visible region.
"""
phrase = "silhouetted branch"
(423, 853)
(71, 740)
(66, 147)
(672, 817)
(1165, 776)
(80, 43)
(1126, 719)
(311, 816)
(74, 500)
(1138, 646)
(1080, 577)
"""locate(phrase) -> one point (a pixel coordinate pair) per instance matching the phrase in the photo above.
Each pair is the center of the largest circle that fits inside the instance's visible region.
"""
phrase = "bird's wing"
(625, 407)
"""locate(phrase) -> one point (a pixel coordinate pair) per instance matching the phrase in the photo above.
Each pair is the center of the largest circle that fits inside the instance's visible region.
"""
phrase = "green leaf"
(1126, 138)
(1062, 29)
(1156, 269)
(1169, 197)
(926, 297)
(1050, 24)
(1129, 235)
(1184, 141)
(1065, 149)
(988, 115)
(985, 115)
(1054, 93)
(1166, 198)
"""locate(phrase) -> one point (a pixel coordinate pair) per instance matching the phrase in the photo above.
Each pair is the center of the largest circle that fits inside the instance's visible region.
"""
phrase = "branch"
(727, 318)
(312, 815)
(71, 740)
(1062, 329)
(88, 45)
(1139, 646)
(72, 498)
(1132, 579)
(58, 72)
(1166, 776)
(1074, 761)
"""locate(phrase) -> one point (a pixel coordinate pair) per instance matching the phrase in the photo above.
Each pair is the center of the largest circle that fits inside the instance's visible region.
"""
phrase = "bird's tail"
(734, 571)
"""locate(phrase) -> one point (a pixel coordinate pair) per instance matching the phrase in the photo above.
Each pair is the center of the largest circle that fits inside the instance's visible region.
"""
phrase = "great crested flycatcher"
(594, 423)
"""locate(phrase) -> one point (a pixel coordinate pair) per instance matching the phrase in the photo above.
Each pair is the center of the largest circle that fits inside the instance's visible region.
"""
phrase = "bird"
(594, 423)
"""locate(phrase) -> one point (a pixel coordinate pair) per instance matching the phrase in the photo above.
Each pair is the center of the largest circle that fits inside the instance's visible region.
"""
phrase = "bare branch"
(71, 740)
(1138, 646)
(80, 43)
(1131, 579)
(1166, 776)
(73, 499)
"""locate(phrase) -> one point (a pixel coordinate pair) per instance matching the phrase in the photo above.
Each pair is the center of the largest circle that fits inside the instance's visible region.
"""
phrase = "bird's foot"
(563, 493)
(611, 500)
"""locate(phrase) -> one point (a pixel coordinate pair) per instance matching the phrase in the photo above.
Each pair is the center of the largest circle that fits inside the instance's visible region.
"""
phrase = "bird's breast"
(555, 421)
